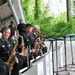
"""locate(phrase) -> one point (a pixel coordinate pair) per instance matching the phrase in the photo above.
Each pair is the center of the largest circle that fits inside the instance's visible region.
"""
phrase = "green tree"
(37, 13)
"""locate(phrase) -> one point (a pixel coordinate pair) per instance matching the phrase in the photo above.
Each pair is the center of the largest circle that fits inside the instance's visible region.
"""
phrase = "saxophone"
(41, 43)
(36, 47)
(24, 50)
(12, 59)
(42, 38)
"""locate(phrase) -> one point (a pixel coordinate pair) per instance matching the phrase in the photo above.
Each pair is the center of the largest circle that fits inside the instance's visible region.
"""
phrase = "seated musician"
(14, 38)
(28, 41)
(6, 48)
(37, 38)
(12, 25)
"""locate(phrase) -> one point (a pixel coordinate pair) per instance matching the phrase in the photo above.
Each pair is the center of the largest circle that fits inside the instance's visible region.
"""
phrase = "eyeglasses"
(8, 32)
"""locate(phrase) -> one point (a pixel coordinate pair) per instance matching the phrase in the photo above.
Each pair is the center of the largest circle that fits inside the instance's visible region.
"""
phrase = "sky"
(56, 6)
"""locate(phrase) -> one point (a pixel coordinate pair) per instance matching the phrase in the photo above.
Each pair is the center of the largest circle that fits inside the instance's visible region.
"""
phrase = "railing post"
(71, 50)
(56, 57)
(52, 57)
(65, 53)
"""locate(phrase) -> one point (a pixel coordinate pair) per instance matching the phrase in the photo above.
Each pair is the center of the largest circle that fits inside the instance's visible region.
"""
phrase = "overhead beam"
(10, 2)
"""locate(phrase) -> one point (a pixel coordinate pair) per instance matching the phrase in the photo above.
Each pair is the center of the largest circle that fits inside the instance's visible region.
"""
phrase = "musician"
(14, 38)
(21, 26)
(12, 25)
(36, 34)
(6, 47)
(26, 34)
(27, 40)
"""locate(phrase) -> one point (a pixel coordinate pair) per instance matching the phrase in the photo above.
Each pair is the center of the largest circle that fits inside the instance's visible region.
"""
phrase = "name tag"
(9, 45)
(14, 42)
(3, 45)
(27, 39)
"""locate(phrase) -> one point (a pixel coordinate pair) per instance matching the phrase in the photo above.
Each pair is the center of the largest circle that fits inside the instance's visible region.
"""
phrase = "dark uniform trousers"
(17, 67)
(5, 49)
(4, 68)
(24, 59)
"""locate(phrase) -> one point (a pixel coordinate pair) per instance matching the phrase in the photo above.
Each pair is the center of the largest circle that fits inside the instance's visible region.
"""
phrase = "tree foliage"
(48, 23)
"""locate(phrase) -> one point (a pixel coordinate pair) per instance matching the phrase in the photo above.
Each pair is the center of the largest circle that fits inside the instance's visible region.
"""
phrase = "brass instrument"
(24, 50)
(38, 47)
(12, 58)
(42, 38)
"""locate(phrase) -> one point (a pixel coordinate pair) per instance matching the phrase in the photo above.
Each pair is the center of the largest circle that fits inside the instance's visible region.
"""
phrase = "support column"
(10, 2)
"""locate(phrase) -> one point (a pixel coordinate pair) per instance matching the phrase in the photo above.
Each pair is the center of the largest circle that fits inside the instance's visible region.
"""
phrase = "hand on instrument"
(14, 54)
(22, 54)
(34, 50)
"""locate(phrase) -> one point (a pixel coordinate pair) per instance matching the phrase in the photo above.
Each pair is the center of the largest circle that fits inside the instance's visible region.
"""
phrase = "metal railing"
(68, 49)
